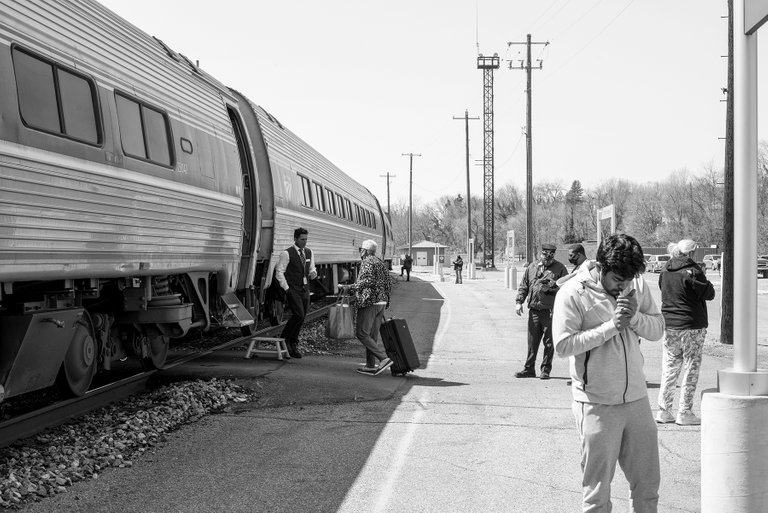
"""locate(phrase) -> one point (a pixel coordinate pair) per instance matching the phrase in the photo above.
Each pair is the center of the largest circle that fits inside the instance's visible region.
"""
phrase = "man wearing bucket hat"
(539, 287)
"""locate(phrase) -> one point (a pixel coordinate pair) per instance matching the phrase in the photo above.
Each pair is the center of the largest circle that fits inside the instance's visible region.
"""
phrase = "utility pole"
(410, 202)
(726, 266)
(388, 180)
(488, 65)
(466, 118)
(526, 65)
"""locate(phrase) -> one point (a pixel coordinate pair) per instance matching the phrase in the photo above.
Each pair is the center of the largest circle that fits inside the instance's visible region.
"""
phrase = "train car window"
(307, 191)
(56, 100)
(157, 141)
(131, 134)
(320, 197)
(79, 122)
(357, 214)
(331, 202)
(340, 209)
(373, 218)
(349, 209)
(143, 131)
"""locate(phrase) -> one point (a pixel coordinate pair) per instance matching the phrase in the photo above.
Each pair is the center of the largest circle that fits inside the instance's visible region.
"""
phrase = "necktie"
(303, 261)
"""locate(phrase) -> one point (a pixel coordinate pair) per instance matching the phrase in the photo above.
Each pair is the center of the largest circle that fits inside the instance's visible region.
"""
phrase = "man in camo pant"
(685, 291)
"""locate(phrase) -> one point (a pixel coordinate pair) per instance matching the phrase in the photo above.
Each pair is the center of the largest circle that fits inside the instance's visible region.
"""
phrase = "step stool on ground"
(279, 349)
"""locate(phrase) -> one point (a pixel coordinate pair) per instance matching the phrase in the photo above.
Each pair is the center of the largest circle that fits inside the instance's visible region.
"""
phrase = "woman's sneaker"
(687, 418)
(664, 417)
(385, 364)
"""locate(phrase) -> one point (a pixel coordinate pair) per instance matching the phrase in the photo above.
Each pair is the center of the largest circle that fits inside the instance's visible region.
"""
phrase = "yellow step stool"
(279, 351)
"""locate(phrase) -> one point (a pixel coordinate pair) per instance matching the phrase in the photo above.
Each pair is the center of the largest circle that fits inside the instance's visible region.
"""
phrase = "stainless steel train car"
(140, 198)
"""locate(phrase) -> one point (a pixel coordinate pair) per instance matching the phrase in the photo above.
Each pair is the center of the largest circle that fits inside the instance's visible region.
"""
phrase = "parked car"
(654, 263)
(762, 267)
(712, 262)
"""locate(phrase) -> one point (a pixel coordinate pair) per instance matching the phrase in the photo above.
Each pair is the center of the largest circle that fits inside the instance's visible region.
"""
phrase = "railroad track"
(29, 424)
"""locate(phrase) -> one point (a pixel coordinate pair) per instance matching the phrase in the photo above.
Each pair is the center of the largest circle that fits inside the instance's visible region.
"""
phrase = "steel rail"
(34, 422)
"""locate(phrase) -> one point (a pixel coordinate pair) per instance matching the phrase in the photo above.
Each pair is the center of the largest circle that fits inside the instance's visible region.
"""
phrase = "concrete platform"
(460, 434)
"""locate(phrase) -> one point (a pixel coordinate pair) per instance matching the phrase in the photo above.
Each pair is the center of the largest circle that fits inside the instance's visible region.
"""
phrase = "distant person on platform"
(458, 265)
(294, 270)
(685, 291)
(372, 290)
(407, 264)
(599, 317)
(539, 287)
(578, 258)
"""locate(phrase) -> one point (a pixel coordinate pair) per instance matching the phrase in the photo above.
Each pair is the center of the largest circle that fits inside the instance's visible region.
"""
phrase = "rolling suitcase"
(399, 346)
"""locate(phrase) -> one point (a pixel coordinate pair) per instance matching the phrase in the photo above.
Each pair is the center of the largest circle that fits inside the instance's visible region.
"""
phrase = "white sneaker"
(687, 418)
(385, 364)
(664, 417)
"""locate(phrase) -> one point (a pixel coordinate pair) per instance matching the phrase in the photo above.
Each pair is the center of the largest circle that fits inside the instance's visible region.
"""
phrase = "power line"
(466, 119)
(410, 202)
(529, 235)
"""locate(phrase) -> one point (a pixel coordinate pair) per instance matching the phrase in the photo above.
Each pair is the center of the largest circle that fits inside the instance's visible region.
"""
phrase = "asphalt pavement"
(460, 434)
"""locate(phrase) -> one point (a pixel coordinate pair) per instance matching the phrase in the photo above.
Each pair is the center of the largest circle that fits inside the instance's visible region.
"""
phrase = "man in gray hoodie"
(598, 320)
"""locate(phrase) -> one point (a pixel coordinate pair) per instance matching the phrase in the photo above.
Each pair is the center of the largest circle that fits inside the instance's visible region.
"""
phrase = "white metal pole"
(744, 197)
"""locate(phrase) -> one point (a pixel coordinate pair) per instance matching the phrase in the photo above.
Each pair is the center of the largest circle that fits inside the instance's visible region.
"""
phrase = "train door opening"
(250, 210)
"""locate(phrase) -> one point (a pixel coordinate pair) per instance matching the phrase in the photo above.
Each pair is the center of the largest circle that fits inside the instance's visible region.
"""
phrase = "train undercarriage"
(63, 332)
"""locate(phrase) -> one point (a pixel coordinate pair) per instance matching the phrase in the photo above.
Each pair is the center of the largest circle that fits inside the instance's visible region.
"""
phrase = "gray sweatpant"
(625, 433)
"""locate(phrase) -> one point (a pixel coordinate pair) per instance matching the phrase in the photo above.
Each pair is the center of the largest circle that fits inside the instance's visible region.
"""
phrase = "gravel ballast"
(111, 437)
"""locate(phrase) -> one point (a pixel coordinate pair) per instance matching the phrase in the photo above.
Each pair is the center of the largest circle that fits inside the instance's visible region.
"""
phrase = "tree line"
(684, 205)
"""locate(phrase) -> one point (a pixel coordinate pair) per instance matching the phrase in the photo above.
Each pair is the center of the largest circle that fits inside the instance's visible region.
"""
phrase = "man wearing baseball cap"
(539, 287)
(372, 290)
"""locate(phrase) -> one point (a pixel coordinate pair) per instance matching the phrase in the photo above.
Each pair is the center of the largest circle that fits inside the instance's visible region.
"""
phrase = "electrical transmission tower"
(488, 64)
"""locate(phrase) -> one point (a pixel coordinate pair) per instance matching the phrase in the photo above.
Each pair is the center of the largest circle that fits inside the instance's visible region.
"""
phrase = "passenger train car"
(140, 198)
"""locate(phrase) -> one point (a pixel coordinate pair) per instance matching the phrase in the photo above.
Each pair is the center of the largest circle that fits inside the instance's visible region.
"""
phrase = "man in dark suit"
(293, 272)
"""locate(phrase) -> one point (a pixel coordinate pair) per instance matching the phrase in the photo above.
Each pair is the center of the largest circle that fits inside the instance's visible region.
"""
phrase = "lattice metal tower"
(488, 64)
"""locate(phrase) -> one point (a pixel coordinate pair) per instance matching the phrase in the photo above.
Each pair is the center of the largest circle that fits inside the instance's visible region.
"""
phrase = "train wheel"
(158, 351)
(80, 362)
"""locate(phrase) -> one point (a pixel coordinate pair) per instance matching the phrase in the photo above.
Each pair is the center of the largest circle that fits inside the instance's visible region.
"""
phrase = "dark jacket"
(407, 262)
(538, 285)
(685, 291)
(458, 264)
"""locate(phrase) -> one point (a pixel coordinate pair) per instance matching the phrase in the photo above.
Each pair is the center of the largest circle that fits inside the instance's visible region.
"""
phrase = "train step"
(234, 314)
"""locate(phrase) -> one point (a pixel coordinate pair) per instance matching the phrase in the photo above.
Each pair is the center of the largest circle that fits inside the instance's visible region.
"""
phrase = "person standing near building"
(372, 290)
(599, 317)
(685, 291)
(407, 264)
(539, 287)
(294, 270)
(458, 265)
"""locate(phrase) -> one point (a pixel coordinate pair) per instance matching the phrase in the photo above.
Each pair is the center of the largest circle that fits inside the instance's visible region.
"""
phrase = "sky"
(627, 88)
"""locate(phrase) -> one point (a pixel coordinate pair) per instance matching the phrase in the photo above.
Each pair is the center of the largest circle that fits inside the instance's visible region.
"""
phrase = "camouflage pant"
(682, 348)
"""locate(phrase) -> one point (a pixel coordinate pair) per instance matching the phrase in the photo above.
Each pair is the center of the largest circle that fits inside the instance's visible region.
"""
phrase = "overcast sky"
(628, 88)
